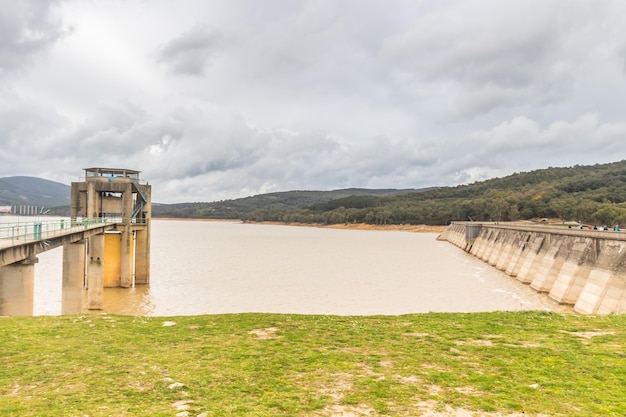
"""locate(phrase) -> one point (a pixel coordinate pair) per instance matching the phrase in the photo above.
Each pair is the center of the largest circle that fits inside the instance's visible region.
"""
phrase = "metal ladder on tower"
(140, 202)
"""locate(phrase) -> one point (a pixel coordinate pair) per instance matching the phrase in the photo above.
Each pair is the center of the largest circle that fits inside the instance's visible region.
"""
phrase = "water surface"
(206, 267)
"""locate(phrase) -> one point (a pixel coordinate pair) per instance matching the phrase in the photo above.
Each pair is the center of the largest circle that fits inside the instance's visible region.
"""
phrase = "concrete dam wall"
(582, 268)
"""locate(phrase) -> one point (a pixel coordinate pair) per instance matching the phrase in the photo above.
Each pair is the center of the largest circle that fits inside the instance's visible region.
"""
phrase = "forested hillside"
(591, 194)
(275, 202)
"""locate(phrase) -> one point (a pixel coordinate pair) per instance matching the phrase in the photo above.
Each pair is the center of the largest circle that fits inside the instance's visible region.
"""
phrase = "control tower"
(116, 195)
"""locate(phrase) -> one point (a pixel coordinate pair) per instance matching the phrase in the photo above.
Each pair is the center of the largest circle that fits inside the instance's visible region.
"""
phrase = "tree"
(610, 214)
(564, 207)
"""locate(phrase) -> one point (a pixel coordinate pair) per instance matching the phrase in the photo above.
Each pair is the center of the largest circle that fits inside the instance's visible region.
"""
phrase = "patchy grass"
(487, 364)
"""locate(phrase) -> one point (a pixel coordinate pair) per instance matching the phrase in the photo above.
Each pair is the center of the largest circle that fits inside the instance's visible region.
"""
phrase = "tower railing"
(140, 202)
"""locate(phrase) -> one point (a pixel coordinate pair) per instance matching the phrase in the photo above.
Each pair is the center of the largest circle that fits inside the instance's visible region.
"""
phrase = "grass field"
(481, 364)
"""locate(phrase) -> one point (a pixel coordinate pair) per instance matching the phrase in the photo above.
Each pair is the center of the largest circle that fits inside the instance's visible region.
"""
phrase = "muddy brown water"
(206, 267)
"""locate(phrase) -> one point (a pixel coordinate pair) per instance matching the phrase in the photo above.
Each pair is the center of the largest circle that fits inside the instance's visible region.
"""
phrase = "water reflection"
(203, 267)
(133, 301)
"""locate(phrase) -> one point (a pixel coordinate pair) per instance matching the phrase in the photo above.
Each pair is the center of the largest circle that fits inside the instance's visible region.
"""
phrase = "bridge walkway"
(19, 232)
(21, 240)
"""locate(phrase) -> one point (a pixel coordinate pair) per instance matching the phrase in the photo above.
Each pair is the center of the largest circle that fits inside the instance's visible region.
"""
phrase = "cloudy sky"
(225, 99)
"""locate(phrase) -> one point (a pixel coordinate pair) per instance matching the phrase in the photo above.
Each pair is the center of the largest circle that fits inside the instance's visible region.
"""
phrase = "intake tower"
(121, 196)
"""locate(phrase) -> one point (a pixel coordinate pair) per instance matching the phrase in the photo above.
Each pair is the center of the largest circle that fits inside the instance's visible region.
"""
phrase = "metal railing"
(141, 201)
(19, 231)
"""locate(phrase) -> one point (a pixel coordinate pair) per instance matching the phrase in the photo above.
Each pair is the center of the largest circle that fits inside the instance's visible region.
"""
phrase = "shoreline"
(414, 228)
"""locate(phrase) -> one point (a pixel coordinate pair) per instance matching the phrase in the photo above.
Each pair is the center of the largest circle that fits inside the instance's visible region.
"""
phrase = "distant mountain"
(288, 200)
(32, 191)
(594, 194)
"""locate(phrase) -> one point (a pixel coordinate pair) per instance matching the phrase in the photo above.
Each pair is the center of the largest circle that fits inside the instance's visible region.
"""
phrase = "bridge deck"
(18, 233)
(19, 241)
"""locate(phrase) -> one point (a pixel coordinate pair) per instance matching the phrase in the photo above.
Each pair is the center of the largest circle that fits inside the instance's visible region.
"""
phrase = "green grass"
(103, 365)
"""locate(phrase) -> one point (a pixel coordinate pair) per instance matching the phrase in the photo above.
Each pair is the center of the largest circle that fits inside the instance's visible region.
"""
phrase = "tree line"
(594, 194)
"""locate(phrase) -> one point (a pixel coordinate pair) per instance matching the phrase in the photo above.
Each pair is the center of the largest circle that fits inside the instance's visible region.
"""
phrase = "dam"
(582, 268)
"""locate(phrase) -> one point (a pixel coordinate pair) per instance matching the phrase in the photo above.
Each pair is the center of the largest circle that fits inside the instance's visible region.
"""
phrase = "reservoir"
(211, 267)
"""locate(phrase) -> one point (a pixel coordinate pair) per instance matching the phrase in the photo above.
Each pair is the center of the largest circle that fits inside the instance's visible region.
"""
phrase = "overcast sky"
(225, 99)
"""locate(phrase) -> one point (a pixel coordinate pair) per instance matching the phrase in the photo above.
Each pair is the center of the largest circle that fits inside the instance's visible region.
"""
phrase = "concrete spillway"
(583, 268)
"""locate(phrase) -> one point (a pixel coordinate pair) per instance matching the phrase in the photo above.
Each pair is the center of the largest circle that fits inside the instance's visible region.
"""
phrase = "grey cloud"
(26, 127)
(454, 43)
(523, 144)
(522, 49)
(299, 53)
(216, 165)
(116, 130)
(191, 52)
(312, 95)
(621, 56)
(483, 99)
(117, 135)
(28, 28)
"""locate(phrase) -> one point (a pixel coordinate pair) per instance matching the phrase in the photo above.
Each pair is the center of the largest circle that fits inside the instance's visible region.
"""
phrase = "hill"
(281, 201)
(586, 193)
(32, 191)
(591, 194)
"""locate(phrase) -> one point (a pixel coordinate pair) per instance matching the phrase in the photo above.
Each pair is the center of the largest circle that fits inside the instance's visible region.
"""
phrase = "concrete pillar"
(127, 203)
(508, 248)
(545, 274)
(17, 283)
(499, 247)
(95, 272)
(126, 279)
(73, 277)
(612, 301)
(517, 259)
(142, 255)
(112, 266)
(574, 273)
(481, 243)
(75, 202)
(593, 292)
(493, 246)
(92, 202)
(532, 255)
(602, 279)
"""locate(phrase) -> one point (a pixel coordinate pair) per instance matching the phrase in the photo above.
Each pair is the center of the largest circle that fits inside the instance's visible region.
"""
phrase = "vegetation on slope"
(280, 201)
(488, 364)
(591, 194)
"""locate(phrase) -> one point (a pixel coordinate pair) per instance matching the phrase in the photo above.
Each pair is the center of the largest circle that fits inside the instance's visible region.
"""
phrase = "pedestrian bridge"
(21, 242)
(106, 242)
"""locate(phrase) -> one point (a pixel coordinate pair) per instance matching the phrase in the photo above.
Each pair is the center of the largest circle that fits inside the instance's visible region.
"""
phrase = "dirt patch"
(342, 382)
(417, 334)
(418, 228)
(588, 335)
(267, 333)
(432, 408)
(411, 379)
(337, 410)
(524, 345)
(467, 390)
(477, 342)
